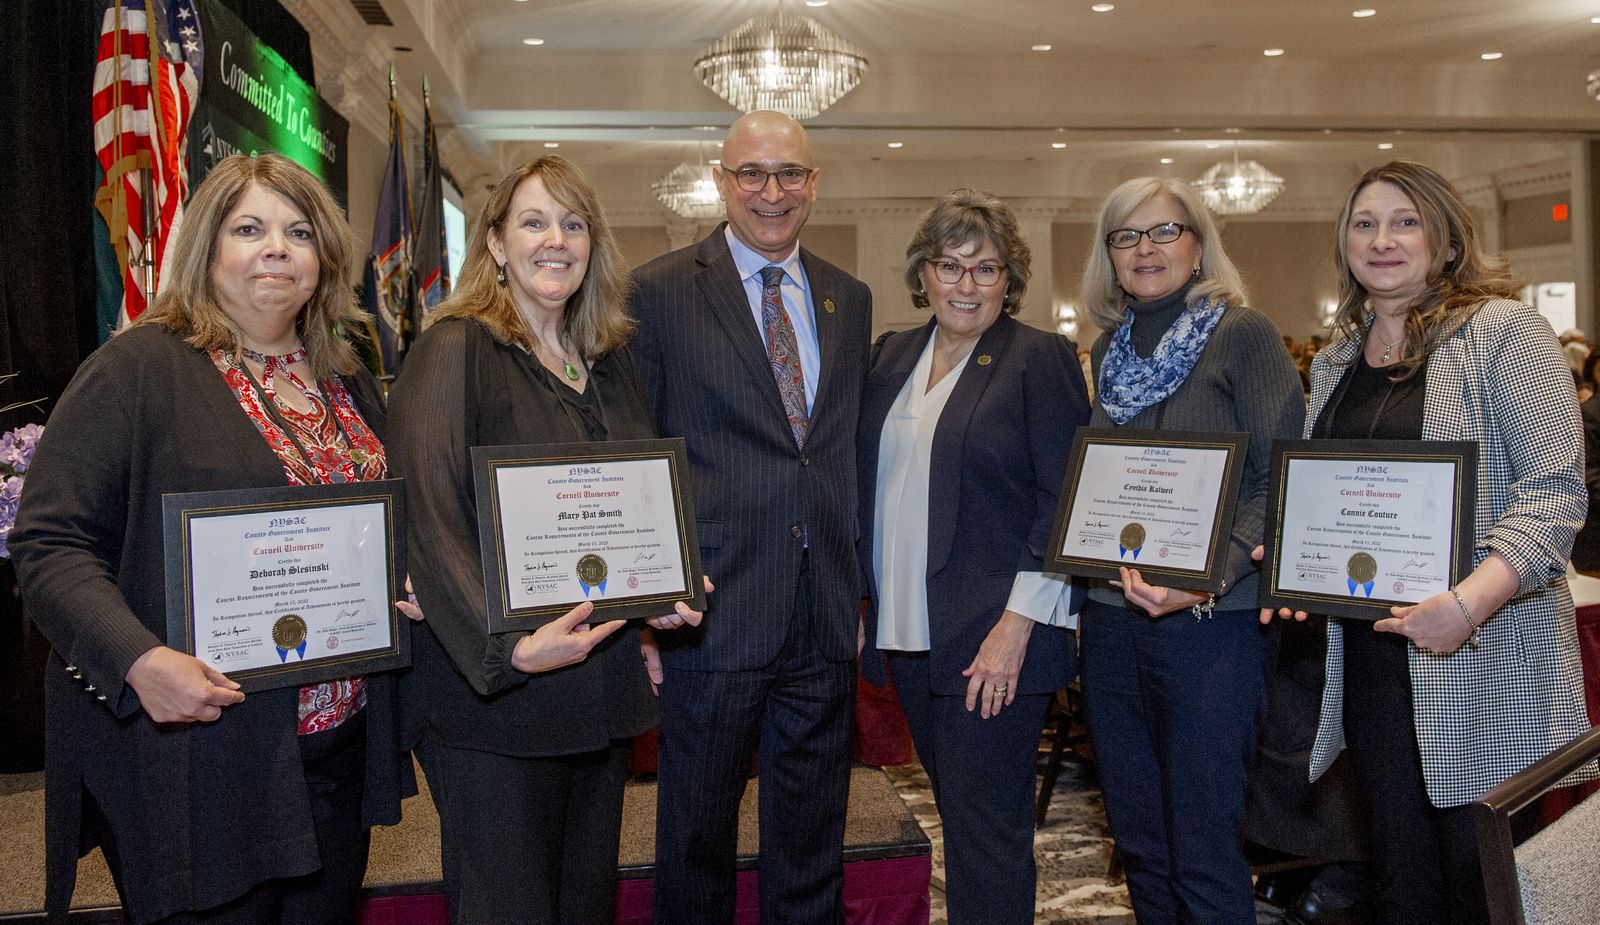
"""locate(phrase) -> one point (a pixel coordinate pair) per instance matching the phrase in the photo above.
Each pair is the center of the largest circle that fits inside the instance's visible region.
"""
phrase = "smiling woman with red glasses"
(1172, 679)
(965, 427)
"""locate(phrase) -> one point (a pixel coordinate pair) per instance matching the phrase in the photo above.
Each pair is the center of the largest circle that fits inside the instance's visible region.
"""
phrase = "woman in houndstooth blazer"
(1451, 696)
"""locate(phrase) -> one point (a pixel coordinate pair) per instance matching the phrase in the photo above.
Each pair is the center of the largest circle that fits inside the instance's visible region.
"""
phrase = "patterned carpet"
(1072, 852)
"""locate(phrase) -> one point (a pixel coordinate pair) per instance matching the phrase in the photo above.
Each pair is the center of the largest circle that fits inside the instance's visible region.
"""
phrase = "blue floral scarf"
(1129, 384)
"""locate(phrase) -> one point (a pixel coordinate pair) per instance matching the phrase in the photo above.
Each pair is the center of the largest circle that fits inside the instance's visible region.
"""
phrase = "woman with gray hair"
(1172, 679)
(965, 428)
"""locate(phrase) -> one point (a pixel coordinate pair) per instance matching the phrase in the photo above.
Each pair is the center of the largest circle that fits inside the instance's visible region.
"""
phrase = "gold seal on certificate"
(592, 573)
(1131, 540)
(610, 523)
(1361, 569)
(290, 585)
(1159, 502)
(289, 634)
(1355, 527)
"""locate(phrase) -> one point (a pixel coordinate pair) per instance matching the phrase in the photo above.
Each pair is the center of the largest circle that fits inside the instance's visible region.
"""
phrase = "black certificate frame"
(180, 510)
(1208, 578)
(1462, 454)
(488, 461)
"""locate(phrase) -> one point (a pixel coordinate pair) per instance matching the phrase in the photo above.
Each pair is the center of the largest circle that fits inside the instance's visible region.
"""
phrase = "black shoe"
(1313, 908)
(1280, 889)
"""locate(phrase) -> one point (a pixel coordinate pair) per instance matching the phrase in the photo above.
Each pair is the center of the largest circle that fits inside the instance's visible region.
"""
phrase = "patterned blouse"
(329, 443)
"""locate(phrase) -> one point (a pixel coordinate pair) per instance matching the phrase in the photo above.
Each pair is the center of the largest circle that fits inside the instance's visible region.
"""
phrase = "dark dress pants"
(797, 712)
(983, 773)
(1425, 859)
(335, 770)
(531, 841)
(1171, 705)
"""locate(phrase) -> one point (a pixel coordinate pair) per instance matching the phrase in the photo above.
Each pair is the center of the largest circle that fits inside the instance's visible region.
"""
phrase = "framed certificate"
(1158, 501)
(291, 585)
(560, 524)
(1357, 526)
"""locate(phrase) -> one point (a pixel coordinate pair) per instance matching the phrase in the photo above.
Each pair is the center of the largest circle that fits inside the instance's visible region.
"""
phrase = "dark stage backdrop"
(47, 273)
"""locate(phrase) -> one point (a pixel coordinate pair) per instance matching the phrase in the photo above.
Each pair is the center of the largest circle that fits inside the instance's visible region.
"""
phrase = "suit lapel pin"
(827, 306)
(985, 360)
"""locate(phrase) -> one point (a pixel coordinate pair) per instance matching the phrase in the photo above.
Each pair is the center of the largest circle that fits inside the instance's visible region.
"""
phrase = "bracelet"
(1202, 610)
(1472, 638)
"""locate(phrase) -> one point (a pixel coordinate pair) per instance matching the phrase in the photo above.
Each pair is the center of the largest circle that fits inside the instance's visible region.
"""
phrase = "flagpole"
(152, 231)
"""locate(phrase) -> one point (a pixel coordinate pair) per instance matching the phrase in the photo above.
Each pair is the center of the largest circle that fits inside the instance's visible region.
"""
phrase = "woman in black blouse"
(210, 806)
(526, 762)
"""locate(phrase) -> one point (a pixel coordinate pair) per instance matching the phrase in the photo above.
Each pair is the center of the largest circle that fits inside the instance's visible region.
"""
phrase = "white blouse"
(900, 539)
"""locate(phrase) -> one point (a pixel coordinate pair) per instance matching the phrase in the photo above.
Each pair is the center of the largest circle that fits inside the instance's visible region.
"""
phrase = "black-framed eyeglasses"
(1164, 233)
(754, 179)
(949, 272)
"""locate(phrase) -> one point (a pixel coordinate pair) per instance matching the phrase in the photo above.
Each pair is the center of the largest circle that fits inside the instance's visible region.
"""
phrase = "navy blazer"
(759, 498)
(999, 455)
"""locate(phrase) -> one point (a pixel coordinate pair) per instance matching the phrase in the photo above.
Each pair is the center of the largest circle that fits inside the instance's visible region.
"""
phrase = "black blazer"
(758, 496)
(202, 811)
(999, 454)
(460, 389)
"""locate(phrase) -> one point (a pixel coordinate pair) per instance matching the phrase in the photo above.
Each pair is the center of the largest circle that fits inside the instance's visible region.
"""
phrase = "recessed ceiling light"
(533, 41)
(1058, 145)
(1363, 14)
(897, 144)
(1166, 160)
(1385, 145)
(1272, 52)
(1213, 145)
(1103, 7)
(1491, 56)
(552, 144)
(1595, 20)
(714, 161)
(816, 2)
(1042, 47)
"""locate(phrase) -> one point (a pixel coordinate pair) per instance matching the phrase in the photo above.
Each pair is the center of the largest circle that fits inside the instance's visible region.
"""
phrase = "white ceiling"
(956, 81)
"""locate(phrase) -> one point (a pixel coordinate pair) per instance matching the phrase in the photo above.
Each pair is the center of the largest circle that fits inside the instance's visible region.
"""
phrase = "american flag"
(146, 81)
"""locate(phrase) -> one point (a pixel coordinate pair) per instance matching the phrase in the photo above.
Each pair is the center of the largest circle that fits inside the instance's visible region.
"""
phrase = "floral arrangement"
(16, 454)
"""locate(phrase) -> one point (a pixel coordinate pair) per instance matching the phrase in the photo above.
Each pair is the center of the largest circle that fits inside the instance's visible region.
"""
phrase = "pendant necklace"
(566, 365)
(1384, 359)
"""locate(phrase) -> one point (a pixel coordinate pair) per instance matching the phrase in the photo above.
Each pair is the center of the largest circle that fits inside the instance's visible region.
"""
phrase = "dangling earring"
(500, 274)
(1196, 273)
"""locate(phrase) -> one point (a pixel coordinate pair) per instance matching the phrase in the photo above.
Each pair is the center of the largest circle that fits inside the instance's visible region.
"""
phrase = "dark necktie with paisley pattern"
(784, 352)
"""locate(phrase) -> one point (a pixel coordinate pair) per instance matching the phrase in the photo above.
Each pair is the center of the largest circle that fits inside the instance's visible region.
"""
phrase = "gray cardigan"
(1243, 381)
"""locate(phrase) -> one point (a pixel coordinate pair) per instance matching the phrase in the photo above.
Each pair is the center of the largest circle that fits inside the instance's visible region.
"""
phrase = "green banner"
(252, 101)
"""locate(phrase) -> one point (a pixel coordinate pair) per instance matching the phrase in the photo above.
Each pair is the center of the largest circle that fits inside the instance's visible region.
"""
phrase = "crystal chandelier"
(688, 191)
(1240, 188)
(1594, 84)
(782, 62)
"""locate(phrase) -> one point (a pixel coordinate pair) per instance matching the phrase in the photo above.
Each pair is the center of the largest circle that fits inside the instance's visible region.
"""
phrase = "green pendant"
(572, 371)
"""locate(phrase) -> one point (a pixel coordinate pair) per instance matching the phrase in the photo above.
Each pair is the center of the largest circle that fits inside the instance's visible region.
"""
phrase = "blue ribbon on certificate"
(587, 586)
(1123, 550)
(283, 654)
(1365, 587)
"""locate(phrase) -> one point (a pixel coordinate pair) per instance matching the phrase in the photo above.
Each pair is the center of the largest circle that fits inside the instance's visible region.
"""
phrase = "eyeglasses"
(754, 179)
(949, 272)
(1124, 238)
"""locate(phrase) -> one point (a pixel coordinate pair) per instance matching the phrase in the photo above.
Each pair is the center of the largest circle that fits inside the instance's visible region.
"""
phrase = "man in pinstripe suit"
(755, 352)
